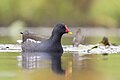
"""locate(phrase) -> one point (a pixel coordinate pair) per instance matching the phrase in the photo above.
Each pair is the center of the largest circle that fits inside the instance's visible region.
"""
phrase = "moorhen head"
(61, 29)
(58, 31)
(53, 44)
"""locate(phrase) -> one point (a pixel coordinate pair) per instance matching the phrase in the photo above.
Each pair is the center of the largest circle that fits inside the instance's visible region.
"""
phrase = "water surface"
(69, 66)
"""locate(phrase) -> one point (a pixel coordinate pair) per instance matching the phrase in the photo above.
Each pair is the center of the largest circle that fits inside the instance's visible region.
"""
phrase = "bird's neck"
(56, 38)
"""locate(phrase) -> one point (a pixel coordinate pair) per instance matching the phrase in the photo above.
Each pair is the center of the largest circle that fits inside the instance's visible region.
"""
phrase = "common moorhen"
(53, 44)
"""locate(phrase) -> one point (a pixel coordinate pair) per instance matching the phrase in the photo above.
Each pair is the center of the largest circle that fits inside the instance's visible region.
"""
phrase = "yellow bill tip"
(69, 32)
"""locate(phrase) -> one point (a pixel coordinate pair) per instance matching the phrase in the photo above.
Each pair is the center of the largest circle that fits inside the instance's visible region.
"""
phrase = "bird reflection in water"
(34, 60)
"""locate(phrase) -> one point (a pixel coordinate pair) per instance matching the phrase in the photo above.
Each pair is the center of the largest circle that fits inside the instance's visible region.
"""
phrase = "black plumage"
(53, 44)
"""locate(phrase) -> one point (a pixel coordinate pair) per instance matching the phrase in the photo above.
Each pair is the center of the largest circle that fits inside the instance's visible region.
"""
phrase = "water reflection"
(40, 60)
(48, 66)
(86, 68)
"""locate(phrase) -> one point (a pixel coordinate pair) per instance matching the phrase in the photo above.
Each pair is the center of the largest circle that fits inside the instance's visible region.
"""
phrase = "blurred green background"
(18, 15)
(49, 12)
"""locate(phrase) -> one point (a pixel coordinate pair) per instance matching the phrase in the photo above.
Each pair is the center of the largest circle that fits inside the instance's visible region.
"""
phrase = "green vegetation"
(75, 12)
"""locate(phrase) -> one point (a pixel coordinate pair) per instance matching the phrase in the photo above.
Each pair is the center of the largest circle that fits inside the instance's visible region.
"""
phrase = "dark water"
(49, 66)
